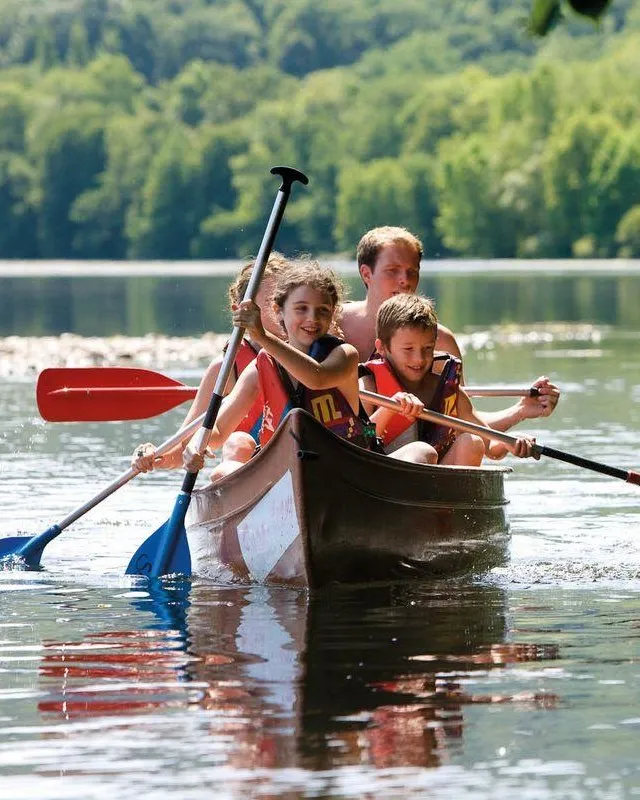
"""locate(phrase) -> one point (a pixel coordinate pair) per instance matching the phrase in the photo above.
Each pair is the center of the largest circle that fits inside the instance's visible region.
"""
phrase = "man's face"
(396, 271)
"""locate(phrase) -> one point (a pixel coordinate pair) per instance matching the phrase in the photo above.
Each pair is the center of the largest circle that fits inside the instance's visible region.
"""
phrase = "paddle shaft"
(100, 394)
(175, 527)
(489, 433)
(32, 547)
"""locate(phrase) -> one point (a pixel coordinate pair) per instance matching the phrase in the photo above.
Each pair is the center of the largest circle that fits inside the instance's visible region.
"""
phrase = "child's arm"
(233, 410)
(144, 459)
(205, 390)
(494, 449)
(410, 406)
(338, 366)
(526, 408)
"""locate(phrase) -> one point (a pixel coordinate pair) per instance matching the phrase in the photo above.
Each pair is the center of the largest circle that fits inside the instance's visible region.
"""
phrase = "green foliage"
(68, 154)
(147, 129)
(387, 192)
(628, 234)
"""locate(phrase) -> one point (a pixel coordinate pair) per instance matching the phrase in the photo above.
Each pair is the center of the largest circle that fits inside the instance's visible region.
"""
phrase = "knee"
(473, 448)
(422, 453)
(238, 447)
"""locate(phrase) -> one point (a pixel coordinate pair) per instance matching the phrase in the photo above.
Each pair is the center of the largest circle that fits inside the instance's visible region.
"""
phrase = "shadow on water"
(368, 675)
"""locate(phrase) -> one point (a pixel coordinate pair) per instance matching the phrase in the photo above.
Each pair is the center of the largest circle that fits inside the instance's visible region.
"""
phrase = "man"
(389, 264)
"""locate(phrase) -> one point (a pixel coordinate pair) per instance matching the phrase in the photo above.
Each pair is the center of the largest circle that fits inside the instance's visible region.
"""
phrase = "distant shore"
(109, 269)
(24, 356)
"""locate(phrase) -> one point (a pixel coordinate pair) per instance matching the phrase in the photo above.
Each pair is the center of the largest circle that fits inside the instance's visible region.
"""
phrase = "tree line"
(149, 133)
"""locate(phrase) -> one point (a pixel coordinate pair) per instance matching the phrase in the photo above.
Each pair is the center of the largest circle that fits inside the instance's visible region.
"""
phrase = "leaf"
(545, 14)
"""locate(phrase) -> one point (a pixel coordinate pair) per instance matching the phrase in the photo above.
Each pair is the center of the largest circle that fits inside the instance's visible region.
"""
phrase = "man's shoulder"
(446, 341)
(352, 309)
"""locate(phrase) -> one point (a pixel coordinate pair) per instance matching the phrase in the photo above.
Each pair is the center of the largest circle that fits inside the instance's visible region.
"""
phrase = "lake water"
(521, 682)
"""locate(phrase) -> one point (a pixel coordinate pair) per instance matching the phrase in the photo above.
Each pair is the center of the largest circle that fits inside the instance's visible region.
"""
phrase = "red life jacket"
(253, 421)
(444, 401)
(328, 406)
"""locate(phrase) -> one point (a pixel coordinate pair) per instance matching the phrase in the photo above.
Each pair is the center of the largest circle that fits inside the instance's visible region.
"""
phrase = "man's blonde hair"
(405, 311)
(373, 241)
(276, 264)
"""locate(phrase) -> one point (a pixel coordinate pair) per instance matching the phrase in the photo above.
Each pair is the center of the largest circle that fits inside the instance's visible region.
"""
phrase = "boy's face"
(396, 271)
(410, 352)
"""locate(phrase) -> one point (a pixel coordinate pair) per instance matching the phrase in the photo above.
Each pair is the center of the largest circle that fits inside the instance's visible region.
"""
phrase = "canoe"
(311, 509)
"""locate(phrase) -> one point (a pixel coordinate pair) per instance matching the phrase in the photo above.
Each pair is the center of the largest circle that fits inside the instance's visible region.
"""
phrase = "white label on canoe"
(269, 528)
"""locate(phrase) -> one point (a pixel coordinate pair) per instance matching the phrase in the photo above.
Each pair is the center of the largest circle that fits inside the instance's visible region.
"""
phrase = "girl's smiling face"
(306, 315)
(410, 352)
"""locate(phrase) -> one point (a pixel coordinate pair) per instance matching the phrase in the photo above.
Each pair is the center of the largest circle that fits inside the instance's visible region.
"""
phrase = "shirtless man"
(389, 263)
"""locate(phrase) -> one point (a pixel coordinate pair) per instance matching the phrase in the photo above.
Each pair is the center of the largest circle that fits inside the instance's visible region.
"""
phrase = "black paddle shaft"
(289, 176)
(596, 466)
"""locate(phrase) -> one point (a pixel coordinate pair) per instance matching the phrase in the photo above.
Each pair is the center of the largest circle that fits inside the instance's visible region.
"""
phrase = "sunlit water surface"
(522, 682)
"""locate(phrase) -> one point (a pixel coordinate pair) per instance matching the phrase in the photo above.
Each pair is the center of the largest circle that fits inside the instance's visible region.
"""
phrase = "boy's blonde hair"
(276, 263)
(308, 272)
(373, 241)
(405, 311)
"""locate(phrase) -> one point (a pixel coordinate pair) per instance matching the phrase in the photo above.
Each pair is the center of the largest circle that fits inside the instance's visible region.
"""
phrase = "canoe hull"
(311, 509)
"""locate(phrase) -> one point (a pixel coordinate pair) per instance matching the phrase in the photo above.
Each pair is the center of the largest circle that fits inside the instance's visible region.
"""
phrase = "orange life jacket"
(444, 401)
(253, 421)
(328, 406)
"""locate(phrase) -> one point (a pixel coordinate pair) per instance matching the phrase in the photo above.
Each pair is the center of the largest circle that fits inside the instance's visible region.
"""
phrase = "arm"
(144, 459)
(338, 367)
(233, 410)
(525, 408)
(494, 449)
(410, 406)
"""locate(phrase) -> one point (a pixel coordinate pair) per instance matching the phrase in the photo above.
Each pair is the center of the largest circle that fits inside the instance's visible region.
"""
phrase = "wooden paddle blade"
(98, 394)
(179, 559)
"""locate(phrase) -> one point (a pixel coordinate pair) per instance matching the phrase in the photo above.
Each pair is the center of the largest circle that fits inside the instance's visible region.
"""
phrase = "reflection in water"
(184, 305)
(363, 676)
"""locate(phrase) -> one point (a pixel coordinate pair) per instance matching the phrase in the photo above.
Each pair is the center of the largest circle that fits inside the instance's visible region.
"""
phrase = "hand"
(192, 460)
(143, 459)
(410, 405)
(544, 404)
(247, 316)
(524, 448)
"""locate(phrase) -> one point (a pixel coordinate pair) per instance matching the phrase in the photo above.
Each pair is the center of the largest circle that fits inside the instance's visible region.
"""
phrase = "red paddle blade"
(99, 394)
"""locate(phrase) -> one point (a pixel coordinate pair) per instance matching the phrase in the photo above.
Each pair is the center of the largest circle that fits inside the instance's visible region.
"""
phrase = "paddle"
(100, 394)
(166, 550)
(488, 433)
(27, 550)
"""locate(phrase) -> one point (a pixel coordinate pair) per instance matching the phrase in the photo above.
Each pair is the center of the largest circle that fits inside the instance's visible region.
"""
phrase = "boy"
(409, 371)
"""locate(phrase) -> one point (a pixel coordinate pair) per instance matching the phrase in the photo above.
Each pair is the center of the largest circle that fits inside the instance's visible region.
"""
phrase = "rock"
(25, 356)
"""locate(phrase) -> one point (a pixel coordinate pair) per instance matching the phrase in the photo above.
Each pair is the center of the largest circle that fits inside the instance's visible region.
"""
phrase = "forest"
(146, 129)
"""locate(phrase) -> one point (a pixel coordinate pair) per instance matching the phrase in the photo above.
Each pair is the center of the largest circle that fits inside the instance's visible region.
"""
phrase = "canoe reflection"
(370, 675)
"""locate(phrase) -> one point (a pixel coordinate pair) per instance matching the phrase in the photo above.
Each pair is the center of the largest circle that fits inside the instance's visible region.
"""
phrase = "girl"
(144, 459)
(310, 369)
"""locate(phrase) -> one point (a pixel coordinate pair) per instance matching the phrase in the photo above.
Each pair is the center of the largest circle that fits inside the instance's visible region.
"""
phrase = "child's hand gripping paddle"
(166, 551)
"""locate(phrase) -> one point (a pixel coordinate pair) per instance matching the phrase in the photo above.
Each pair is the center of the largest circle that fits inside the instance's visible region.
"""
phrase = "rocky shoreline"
(23, 356)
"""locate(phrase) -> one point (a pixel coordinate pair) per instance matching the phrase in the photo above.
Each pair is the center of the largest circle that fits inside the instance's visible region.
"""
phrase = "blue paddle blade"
(10, 554)
(16, 552)
(178, 557)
